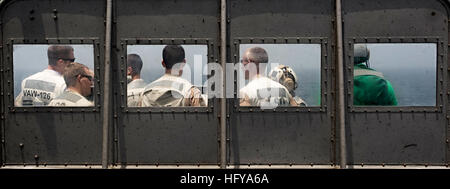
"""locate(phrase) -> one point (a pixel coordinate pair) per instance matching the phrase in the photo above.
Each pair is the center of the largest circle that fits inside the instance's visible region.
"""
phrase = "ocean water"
(413, 87)
(309, 87)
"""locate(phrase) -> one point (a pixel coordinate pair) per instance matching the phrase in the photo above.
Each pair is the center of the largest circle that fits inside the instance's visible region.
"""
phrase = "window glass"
(42, 72)
(177, 82)
(292, 70)
(395, 74)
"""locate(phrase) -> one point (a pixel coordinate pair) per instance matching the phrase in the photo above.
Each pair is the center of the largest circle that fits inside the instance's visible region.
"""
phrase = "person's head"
(79, 78)
(361, 53)
(134, 66)
(59, 56)
(286, 77)
(173, 55)
(256, 55)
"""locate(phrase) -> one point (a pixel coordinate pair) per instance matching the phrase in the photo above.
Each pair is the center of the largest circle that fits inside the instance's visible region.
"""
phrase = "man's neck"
(169, 72)
(254, 77)
(53, 68)
(136, 77)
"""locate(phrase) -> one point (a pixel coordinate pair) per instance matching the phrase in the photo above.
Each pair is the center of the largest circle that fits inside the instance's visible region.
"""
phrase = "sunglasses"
(68, 59)
(88, 76)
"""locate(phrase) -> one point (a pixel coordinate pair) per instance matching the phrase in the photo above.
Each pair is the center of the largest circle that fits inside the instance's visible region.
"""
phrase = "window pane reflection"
(395, 74)
(53, 75)
(293, 68)
(173, 80)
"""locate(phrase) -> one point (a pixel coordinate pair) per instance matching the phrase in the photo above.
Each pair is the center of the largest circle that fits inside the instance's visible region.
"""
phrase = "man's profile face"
(86, 82)
(245, 61)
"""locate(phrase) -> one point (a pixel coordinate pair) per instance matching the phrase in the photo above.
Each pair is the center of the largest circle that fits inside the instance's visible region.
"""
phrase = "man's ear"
(184, 60)
(59, 61)
(129, 70)
(163, 64)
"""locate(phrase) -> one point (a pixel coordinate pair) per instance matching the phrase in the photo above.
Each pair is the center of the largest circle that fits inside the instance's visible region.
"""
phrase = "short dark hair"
(258, 55)
(56, 52)
(173, 54)
(135, 62)
(72, 71)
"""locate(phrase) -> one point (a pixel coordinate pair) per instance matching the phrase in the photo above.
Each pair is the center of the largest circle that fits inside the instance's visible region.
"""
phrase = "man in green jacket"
(370, 87)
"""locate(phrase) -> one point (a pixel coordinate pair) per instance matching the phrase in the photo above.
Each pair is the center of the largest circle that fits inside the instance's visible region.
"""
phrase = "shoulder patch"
(70, 97)
(40, 85)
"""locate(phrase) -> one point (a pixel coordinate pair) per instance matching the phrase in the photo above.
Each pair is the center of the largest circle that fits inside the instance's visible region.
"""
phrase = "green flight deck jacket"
(370, 88)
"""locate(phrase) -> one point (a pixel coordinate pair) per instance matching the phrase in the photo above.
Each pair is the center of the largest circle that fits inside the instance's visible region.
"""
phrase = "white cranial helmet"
(361, 53)
(285, 76)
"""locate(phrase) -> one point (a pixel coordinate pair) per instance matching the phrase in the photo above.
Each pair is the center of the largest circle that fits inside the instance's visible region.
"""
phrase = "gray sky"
(385, 56)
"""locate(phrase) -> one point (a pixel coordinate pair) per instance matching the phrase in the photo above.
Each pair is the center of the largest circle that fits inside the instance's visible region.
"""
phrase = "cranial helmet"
(285, 76)
(361, 53)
